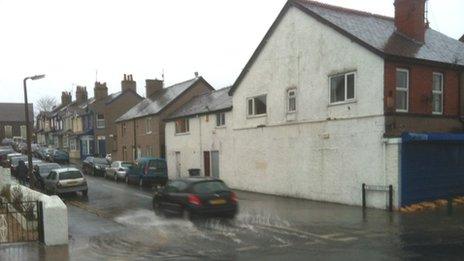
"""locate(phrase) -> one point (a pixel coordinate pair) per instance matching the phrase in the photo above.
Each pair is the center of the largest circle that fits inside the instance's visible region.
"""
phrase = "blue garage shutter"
(432, 167)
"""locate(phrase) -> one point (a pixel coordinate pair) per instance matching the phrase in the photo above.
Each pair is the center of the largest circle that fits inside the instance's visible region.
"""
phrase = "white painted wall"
(203, 136)
(327, 152)
(323, 152)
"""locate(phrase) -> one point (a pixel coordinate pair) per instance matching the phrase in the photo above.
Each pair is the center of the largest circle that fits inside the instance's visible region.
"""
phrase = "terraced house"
(140, 131)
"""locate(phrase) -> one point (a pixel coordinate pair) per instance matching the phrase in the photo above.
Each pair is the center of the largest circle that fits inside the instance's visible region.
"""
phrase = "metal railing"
(21, 222)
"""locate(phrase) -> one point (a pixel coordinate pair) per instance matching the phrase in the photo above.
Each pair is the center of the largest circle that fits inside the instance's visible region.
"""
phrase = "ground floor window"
(8, 131)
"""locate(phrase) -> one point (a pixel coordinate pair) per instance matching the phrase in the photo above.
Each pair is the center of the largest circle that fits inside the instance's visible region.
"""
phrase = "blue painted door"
(431, 170)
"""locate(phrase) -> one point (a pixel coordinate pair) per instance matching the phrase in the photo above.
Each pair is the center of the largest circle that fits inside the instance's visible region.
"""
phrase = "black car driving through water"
(196, 196)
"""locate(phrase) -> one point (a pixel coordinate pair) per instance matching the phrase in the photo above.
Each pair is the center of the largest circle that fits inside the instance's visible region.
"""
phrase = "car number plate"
(217, 201)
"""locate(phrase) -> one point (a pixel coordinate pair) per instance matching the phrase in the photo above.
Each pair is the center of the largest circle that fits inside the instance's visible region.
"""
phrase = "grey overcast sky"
(71, 40)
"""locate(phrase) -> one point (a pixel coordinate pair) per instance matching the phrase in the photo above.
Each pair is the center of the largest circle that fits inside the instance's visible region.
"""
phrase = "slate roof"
(375, 32)
(219, 100)
(14, 112)
(380, 33)
(159, 100)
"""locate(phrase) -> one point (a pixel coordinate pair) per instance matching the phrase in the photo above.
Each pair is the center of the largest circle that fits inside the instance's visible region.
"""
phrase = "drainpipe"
(201, 147)
(461, 94)
(135, 141)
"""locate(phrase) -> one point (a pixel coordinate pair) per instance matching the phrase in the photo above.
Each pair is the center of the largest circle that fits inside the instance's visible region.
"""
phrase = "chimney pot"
(128, 84)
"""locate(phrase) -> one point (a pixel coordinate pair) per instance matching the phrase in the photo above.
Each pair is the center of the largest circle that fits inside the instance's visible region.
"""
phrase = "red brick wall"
(420, 88)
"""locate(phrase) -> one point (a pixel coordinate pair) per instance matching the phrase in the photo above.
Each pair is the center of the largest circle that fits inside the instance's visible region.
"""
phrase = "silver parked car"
(118, 170)
(65, 180)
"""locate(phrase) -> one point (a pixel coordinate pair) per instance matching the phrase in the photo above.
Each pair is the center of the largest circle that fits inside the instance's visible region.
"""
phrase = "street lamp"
(28, 125)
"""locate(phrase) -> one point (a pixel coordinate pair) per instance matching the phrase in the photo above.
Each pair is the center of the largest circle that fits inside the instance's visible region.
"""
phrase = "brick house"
(140, 131)
(13, 120)
(107, 108)
(333, 98)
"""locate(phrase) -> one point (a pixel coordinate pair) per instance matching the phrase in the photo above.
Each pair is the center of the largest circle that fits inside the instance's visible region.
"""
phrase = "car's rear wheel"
(141, 182)
(85, 192)
(116, 177)
(156, 207)
(127, 180)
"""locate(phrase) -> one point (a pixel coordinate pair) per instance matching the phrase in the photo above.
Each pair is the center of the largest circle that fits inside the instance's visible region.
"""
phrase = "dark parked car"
(95, 166)
(196, 196)
(42, 169)
(43, 153)
(59, 156)
(4, 151)
(65, 180)
(148, 171)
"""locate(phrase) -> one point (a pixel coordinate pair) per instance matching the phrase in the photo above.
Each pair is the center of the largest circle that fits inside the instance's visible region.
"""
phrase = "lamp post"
(28, 125)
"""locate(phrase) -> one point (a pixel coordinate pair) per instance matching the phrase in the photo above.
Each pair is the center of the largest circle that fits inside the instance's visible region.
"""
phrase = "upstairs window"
(257, 106)
(342, 88)
(402, 90)
(220, 119)
(123, 130)
(437, 93)
(148, 126)
(182, 126)
(100, 121)
(291, 100)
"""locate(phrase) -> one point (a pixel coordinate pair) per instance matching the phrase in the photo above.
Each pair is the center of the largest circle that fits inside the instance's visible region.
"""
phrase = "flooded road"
(116, 222)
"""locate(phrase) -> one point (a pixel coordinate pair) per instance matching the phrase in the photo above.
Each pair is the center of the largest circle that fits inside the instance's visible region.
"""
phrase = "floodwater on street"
(116, 222)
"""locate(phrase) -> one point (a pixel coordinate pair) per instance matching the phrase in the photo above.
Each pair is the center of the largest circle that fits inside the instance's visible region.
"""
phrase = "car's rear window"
(70, 175)
(210, 187)
(15, 160)
(126, 164)
(59, 152)
(47, 168)
(100, 161)
(157, 165)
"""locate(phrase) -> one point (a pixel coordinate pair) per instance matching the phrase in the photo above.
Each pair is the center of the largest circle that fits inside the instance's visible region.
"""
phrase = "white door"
(177, 164)
(215, 163)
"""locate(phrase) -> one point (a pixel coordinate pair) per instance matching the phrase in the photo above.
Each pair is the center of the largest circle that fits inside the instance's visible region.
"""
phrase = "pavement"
(116, 222)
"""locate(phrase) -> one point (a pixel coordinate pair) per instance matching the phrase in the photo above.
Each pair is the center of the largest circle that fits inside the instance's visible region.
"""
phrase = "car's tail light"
(233, 197)
(194, 200)
(145, 171)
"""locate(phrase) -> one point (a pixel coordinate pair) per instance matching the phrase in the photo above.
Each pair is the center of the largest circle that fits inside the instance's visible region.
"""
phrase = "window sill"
(220, 127)
(402, 111)
(256, 116)
(437, 113)
(342, 103)
(182, 134)
(148, 133)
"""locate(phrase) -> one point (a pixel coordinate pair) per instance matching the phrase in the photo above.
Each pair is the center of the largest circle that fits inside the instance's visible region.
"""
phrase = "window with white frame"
(23, 131)
(402, 90)
(220, 119)
(437, 93)
(342, 88)
(8, 131)
(257, 106)
(100, 121)
(291, 100)
(182, 125)
(148, 126)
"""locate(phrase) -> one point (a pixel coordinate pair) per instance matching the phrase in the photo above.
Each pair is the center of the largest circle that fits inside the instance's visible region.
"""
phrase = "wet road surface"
(116, 222)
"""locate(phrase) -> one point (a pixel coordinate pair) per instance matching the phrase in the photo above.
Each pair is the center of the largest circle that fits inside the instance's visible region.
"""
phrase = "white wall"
(203, 136)
(327, 152)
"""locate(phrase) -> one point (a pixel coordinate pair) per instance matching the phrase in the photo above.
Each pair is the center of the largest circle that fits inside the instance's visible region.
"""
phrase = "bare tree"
(45, 103)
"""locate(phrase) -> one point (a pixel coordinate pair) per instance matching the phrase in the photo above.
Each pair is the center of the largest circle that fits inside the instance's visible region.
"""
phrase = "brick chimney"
(100, 91)
(410, 18)
(81, 94)
(152, 86)
(66, 98)
(128, 83)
